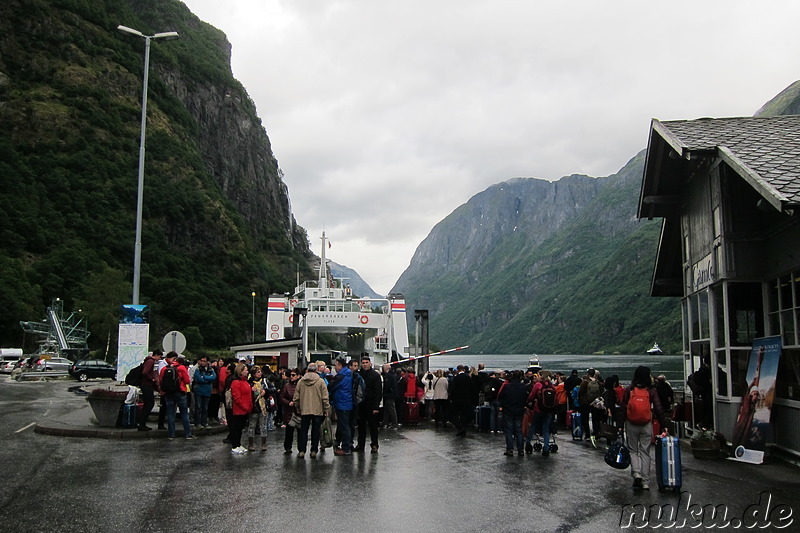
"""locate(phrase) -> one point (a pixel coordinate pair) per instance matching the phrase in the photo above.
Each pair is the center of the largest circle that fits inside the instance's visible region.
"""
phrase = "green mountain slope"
(217, 222)
(570, 273)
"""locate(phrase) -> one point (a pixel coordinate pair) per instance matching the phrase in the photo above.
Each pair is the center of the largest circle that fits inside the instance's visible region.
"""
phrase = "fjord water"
(622, 365)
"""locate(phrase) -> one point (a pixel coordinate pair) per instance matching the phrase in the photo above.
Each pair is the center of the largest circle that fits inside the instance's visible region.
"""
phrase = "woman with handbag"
(290, 415)
(258, 416)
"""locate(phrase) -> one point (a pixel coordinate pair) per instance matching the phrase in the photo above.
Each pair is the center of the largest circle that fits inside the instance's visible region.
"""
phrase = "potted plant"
(106, 405)
(706, 444)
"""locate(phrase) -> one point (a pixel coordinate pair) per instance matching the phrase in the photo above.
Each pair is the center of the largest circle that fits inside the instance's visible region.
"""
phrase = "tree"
(103, 293)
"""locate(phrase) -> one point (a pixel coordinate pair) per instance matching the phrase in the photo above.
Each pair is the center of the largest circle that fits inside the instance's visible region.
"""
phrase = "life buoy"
(274, 335)
(364, 319)
(292, 302)
(274, 327)
(291, 319)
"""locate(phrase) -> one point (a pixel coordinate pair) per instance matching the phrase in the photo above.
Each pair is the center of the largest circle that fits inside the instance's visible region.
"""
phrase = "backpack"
(359, 388)
(547, 399)
(575, 401)
(134, 377)
(639, 407)
(593, 391)
(169, 379)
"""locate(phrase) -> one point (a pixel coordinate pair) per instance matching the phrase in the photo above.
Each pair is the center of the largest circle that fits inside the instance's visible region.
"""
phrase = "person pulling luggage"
(639, 405)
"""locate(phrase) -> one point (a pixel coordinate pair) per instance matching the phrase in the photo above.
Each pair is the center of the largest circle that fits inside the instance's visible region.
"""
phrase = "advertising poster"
(132, 347)
(752, 424)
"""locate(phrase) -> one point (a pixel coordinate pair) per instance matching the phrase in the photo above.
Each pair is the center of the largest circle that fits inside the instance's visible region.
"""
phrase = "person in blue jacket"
(340, 390)
(203, 381)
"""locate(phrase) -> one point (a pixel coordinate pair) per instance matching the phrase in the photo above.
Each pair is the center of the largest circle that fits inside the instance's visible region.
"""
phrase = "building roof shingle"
(767, 149)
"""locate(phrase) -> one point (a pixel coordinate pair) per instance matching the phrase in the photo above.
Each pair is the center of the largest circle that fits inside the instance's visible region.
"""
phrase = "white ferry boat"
(374, 325)
(655, 350)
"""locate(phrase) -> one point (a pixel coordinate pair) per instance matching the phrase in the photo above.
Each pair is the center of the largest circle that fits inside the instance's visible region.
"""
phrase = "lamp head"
(131, 31)
(167, 35)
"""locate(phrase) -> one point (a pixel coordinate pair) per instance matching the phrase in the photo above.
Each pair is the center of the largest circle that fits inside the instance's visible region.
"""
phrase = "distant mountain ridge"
(552, 267)
(535, 266)
(359, 287)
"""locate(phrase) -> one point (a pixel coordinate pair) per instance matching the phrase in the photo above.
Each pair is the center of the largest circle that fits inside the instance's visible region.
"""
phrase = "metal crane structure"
(65, 336)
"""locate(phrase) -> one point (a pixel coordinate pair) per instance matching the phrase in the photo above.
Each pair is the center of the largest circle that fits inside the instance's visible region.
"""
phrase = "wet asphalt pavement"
(423, 479)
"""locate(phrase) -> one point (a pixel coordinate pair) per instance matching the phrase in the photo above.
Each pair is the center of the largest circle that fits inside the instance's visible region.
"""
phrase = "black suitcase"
(668, 463)
(483, 415)
(129, 412)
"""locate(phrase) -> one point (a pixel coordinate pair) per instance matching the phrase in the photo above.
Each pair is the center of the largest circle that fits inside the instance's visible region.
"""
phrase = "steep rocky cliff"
(533, 266)
(217, 217)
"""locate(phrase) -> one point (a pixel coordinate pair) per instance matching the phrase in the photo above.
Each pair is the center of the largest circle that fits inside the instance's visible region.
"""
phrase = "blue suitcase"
(129, 412)
(577, 426)
(668, 463)
(483, 415)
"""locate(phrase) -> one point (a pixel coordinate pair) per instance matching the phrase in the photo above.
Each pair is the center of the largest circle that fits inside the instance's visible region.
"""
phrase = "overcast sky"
(386, 116)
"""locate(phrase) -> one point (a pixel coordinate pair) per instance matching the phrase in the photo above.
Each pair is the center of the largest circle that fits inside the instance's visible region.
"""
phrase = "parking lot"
(422, 479)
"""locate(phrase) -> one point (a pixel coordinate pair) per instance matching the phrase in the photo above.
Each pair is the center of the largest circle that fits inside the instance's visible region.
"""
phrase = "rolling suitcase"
(482, 417)
(577, 427)
(668, 463)
(129, 415)
(411, 413)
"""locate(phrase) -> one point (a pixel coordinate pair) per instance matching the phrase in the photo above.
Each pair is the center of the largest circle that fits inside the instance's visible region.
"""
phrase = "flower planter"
(705, 449)
(106, 410)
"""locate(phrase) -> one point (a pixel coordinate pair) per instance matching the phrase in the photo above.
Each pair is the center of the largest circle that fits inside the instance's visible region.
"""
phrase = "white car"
(7, 364)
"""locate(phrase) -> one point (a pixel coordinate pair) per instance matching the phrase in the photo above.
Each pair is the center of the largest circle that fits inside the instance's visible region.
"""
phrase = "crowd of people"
(527, 407)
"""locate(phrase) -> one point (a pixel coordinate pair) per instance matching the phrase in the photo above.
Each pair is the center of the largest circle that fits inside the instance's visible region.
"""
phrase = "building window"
(738, 367)
(745, 313)
(783, 308)
(698, 316)
(788, 382)
(783, 299)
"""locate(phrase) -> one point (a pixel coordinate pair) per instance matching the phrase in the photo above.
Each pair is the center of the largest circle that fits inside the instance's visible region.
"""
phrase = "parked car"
(58, 364)
(92, 368)
(7, 363)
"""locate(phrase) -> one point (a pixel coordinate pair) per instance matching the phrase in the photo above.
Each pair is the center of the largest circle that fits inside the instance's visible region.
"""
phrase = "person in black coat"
(512, 397)
(390, 394)
(369, 408)
(461, 394)
(570, 383)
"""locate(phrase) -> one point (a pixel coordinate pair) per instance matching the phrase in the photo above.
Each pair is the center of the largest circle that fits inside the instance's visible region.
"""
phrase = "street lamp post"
(137, 253)
(253, 330)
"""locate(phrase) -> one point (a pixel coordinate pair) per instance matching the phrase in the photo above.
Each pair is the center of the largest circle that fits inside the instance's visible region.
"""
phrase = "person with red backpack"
(639, 405)
(544, 401)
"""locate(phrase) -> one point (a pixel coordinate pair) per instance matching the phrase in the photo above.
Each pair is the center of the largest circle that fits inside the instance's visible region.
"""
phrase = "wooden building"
(728, 191)
(273, 353)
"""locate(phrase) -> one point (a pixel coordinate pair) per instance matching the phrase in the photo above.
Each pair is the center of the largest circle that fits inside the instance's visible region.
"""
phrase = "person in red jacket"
(242, 396)
(640, 405)
(148, 385)
(174, 380)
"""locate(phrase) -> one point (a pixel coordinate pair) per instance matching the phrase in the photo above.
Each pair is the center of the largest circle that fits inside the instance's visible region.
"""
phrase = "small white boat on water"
(533, 363)
(655, 350)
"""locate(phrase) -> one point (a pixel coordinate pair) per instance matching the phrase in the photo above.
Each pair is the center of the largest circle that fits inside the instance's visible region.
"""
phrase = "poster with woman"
(750, 431)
